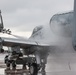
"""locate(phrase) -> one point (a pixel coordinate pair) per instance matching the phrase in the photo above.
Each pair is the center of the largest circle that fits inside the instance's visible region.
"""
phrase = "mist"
(58, 33)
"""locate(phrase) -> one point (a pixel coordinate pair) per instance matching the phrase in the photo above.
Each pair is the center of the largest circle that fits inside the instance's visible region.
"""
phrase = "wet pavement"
(58, 64)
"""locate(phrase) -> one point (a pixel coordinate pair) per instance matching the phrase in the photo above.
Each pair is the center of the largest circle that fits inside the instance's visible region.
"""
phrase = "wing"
(23, 43)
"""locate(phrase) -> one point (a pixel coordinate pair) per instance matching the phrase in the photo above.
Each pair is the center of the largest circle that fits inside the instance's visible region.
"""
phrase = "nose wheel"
(33, 69)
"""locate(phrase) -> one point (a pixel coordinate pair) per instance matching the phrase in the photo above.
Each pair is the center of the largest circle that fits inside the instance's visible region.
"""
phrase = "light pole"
(1, 22)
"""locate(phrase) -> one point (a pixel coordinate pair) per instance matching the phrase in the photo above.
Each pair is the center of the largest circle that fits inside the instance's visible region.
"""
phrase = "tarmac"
(57, 64)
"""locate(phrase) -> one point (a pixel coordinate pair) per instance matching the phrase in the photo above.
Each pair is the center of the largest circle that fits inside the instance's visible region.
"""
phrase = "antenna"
(1, 22)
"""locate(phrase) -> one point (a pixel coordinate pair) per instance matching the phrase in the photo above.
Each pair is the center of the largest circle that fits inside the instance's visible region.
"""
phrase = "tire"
(33, 69)
(13, 65)
(6, 59)
(24, 66)
(8, 64)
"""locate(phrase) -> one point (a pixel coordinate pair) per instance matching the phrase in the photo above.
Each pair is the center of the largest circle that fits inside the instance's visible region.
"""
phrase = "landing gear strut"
(43, 67)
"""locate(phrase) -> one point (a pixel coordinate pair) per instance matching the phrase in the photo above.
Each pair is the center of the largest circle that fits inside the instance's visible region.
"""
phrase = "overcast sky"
(21, 16)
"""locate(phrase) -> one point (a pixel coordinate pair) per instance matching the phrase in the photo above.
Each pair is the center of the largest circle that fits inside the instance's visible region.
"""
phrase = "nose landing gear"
(33, 69)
